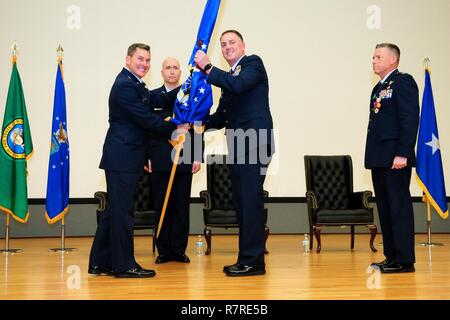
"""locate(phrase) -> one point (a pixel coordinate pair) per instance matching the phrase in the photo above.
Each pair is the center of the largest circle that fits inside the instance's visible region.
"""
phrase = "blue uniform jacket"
(131, 118)
(244, 103)
(392, 129)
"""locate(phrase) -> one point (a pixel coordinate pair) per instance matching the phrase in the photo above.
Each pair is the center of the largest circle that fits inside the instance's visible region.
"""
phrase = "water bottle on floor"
(306, 244)
(199, 245)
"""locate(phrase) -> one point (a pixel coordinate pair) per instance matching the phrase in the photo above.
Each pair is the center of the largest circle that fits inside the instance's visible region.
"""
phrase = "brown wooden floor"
(335, 273)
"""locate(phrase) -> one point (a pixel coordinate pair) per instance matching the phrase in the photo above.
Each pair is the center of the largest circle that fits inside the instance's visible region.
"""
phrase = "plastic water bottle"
(199, 245)
(306, 244)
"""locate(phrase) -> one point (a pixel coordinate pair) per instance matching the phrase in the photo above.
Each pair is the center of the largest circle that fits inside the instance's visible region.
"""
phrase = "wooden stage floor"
(336, 273)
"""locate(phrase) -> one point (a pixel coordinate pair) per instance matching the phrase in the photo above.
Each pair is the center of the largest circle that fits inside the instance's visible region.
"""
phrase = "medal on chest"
(383, 94)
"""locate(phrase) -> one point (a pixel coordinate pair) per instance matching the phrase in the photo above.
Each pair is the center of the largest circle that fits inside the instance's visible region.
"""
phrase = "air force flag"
(57, 203)
(195, 98)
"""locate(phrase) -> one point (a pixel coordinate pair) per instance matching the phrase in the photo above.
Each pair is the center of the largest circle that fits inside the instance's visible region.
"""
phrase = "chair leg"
(311, 237)
(317, 230)
(207, 233)
(352, 242)
(373, 231)
(266, 235)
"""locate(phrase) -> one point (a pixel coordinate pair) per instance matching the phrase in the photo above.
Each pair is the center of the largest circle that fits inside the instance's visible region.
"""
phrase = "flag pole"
(63, 240)
(63, 248)
(429, 243)
(429, 221)
(178, 145)
(7, 249)
(426, 62)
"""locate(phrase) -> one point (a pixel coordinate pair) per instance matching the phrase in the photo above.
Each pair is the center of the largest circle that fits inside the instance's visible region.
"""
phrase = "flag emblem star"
(434, 144)
(202, 90)
(204, 46)
(195, 99)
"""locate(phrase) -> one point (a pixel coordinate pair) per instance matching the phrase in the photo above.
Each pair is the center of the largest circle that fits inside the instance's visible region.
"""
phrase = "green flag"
(16, 148)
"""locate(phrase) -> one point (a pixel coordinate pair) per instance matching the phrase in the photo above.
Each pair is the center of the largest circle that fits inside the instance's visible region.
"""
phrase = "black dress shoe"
(241, 270)
(181, 258)
(100, 270)
(225, 268)
(136, 273)
(395, 267)
(380, 264)
(162, 258)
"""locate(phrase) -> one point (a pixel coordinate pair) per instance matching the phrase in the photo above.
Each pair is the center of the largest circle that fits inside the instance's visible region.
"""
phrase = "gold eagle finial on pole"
(426, 62)
(60, 53)
(15, 52)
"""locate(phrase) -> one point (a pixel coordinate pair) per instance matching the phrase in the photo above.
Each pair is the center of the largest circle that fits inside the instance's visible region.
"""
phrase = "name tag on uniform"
(158, 109)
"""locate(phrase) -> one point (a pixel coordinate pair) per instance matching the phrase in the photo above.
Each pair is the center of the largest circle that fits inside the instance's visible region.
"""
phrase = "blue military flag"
(195, 98)
(430, 174)
(57, 203)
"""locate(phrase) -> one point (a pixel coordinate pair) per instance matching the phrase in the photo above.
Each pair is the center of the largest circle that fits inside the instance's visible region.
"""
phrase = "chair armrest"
(312, 205)
(312, 199)
(359, 199)
(206, 198)
(102, 197)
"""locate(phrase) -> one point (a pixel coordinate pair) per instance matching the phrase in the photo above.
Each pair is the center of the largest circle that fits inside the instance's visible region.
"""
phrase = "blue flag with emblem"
(57, 203)
(195, 98)
(430, 174)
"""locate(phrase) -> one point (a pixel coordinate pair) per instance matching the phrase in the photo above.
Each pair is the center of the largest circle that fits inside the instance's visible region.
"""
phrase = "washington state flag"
(16, 148)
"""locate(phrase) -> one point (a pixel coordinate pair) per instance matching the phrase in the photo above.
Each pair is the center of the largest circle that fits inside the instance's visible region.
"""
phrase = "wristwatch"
(207, 67)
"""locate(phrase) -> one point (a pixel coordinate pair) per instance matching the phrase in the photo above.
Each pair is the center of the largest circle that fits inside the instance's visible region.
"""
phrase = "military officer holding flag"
(131, 117)
(244, 111)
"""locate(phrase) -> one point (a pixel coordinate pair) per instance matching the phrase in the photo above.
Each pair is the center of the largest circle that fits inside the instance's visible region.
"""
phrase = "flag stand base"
(62, 250)
(63, 238)
(7, 249)
(429, 244)
(13, 251)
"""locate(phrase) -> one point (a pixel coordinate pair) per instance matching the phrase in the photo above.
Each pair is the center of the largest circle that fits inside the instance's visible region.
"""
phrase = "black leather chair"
(144, 215)
(331, 200)
(218, 211)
